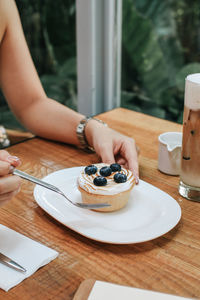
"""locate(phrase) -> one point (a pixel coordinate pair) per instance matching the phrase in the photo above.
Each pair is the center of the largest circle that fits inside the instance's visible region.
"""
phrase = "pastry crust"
(116, 201)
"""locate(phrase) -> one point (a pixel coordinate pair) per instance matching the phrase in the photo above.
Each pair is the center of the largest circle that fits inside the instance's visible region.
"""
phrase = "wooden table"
(169, 264)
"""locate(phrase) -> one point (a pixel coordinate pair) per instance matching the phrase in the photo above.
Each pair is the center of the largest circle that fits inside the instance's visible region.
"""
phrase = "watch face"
(80, 128)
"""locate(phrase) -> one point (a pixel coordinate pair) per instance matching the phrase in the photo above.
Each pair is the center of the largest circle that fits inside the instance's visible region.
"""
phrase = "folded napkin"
(105, 290)
(28, 253)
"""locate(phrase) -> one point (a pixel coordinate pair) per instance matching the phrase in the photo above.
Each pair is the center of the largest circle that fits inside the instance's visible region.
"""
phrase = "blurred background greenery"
(160, 46)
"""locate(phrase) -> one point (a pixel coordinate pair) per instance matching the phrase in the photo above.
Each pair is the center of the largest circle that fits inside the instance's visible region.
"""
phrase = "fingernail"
(11, 158)
(11, 169)
(136, 179)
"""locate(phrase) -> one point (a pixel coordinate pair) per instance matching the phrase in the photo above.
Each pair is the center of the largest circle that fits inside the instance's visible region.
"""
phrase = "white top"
(192, 91)
(85, 181)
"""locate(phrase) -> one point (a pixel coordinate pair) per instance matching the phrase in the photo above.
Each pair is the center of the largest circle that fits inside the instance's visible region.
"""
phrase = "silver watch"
(80, 131)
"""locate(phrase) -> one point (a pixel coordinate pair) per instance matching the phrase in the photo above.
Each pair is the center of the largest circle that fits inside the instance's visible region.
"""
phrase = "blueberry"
(119, 178)
(105, 171)
(91, 169)
(115, 167)
(100, 181)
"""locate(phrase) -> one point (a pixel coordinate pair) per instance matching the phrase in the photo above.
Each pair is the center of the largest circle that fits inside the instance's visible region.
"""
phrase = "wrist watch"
(80, 131)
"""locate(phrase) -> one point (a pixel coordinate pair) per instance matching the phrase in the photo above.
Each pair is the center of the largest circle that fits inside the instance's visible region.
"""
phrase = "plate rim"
(78, 168)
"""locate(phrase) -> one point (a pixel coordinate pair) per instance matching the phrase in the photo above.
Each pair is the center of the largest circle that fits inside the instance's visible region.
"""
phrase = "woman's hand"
(112, 146)
(9, 184)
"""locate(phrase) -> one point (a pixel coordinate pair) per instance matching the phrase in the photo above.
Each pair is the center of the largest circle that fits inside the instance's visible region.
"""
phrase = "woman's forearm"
(52, 120)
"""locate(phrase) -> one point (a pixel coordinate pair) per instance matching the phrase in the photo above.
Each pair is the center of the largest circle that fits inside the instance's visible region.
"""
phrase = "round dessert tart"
(110, 184)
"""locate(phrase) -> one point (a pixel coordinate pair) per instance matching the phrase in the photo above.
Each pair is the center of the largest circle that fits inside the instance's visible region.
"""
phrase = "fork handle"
(55, 189)
(35, 180)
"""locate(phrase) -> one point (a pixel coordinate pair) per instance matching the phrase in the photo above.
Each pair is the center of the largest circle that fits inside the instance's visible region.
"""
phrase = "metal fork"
(57, 190)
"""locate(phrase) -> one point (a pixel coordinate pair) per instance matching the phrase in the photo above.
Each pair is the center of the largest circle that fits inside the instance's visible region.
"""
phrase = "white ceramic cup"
(169, 154)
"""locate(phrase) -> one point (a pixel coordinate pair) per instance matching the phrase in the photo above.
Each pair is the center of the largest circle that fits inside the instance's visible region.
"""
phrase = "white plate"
(149, 213)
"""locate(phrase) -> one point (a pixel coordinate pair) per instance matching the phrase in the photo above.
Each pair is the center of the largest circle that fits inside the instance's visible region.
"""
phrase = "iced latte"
(190, 159)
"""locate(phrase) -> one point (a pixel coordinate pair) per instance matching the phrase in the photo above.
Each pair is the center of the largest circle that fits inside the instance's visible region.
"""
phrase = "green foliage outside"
(160, 47)
(49, 28)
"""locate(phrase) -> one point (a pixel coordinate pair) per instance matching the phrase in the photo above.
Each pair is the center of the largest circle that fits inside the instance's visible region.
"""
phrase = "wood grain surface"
(168, 264)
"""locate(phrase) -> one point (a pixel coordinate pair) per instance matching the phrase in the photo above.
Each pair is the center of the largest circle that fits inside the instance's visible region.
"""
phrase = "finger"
(5, 168)
(125, 165)
(130, 154)
(133, 165)
(106, 153)
(9, 184)
(4, 154)
(121, 161)
(137, 149)
(13, 160)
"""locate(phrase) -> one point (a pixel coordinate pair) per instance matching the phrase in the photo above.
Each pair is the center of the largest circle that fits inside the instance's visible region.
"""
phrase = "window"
(160, 47)
(50, 31)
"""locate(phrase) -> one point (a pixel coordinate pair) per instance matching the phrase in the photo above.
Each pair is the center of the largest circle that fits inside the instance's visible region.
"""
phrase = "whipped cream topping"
(85, 181)
(192, 91)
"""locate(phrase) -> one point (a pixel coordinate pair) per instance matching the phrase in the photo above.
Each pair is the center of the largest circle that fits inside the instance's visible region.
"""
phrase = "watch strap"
(80, 131)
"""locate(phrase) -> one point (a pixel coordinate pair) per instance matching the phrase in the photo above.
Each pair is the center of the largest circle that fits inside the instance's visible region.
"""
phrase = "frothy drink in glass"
(189, 186)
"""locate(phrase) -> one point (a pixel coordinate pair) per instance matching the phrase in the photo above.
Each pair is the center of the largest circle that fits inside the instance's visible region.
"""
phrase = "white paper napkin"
(26, 252)
(105, 290)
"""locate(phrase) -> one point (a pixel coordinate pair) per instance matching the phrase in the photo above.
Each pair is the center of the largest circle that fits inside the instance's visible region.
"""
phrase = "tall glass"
(189, 186)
